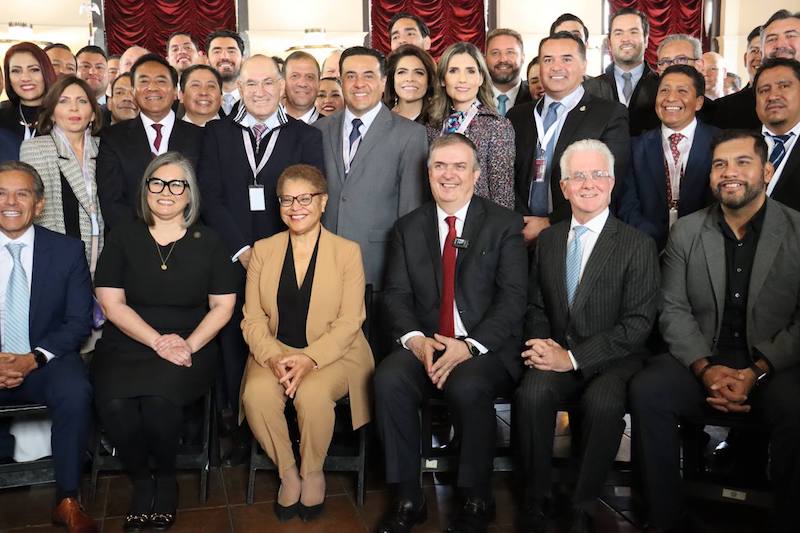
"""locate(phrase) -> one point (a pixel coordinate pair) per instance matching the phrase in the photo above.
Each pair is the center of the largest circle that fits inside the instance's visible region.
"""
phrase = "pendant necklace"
(161, 257)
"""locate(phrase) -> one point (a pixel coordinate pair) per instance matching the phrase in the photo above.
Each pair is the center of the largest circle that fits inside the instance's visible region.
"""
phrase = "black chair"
(348, 449)
(30, 472)
(191, 456)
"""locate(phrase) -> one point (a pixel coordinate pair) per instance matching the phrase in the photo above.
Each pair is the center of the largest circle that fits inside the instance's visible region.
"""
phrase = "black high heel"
(311, 513)
(285, 514)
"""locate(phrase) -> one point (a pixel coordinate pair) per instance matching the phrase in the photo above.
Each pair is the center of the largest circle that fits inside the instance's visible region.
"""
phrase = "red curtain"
(666, 17)
(450, 21)
(150, 23)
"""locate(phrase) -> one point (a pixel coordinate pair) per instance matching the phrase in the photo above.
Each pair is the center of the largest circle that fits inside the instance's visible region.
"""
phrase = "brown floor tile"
(47, 529)
(26, 506)
(339, 516)
(194, 521)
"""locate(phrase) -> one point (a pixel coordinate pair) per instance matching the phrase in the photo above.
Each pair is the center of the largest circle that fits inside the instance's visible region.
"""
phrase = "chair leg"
(251, 480)
(204, 484)
(98, 445)
(361, 488)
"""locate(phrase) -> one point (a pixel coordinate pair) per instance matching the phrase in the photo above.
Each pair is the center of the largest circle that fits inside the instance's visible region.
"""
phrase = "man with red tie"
(455, 296)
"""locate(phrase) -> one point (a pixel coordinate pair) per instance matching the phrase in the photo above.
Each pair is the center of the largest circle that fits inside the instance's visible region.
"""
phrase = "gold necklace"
(161, 257)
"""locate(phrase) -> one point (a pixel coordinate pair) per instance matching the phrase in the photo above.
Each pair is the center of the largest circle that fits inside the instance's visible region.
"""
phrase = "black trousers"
(601, 398)
(666, 392)
(402, 386)
(234, 351)
(144, 427)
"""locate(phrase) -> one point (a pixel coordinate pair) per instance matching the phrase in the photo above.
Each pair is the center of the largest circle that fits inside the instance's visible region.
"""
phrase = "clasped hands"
(547, 355)
(174, 349)
(455, 352)
(728, 388)
(290, 370)
(14, 369)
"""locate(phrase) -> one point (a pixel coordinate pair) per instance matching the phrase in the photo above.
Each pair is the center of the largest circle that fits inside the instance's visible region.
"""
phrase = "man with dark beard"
(731, 320)
(504, 58)
(225, 51)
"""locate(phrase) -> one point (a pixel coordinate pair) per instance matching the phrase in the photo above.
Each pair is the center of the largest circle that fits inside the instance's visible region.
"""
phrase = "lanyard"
(473, 111)
(251, 158)
(29, 132)
(544, 136)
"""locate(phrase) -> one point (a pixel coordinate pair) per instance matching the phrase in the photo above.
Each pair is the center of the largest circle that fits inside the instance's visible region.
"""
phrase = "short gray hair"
(450, 139)
(192, 211)
(586, 145)
(697, 48)
(21, 166)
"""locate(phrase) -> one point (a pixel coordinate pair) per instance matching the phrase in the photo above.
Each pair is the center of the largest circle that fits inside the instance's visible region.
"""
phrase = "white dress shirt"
(186, 118)
(789, 145)
(588, 240)
(676, 171)
(636, 75)
(347, 126)
(444, 229)
(167, 124)
(7, 263)
(511, 93)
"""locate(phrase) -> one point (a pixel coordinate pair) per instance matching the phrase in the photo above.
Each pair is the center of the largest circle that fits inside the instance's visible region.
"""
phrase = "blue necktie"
(15, 324)
(502, 102)
(574, 256)
(778, 149)
(538, 199)
(354, 137)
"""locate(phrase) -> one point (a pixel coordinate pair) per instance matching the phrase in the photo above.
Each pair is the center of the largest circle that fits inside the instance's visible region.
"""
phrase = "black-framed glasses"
(305, 199)
(680, 60)
(157, 185)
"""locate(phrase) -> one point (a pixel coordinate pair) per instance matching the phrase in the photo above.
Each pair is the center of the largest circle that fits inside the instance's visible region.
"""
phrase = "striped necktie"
(17, 306)
(778, 149)
(574, 256)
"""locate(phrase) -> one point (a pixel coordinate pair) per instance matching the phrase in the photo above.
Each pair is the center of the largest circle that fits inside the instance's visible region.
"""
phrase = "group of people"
(626, 243)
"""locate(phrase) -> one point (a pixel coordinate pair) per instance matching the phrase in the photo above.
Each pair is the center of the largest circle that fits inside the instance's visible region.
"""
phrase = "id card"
(539, 169)
(257, 202)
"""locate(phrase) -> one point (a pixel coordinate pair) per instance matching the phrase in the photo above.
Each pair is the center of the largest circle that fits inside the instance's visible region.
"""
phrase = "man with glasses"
(238, 173)
(583, 343)
(128, 147)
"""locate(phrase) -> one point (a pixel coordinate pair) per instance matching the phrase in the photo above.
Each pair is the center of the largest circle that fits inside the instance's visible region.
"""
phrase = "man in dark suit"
(46, 298)
(243, 156)
(729, 316)
(455, 298)
(504, 58)
(591, 307)
(9, 146)
(128, 147)
(225, 51)
(777, 85)
(629, 80)
(668, 172)
(543, 131)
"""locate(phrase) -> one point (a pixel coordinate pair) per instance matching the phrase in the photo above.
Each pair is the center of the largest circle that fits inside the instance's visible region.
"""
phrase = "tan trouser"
(263, 399)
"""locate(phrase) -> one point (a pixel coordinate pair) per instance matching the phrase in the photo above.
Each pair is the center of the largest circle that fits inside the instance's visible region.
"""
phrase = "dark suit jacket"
(787, 190)
(61, 294)
(123, 157)
(615, 303)
(592, 118)
(9, 146)
(642, 109)
(224, 175)
(643, 201)
(490, 281)
(736, 111)
(524, 94)
(9, 121)
(693, 287)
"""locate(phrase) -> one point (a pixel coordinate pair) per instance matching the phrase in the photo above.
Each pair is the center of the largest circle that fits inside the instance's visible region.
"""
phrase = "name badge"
(539, 165)
(257, 202)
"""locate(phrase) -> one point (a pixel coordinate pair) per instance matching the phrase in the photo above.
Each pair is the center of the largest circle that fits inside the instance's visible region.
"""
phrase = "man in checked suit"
(455, 300)
(567, 114)
(591, 306)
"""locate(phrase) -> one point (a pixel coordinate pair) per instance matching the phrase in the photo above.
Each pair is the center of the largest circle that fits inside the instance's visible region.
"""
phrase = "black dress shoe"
(582, 522)
(136, 522)
(310, 513)
(403, 516)
(162, 521)
(285, 513)
(534, 520)
(473, 517)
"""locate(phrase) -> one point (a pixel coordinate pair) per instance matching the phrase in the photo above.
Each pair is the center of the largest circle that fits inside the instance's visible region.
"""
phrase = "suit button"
(344, 198)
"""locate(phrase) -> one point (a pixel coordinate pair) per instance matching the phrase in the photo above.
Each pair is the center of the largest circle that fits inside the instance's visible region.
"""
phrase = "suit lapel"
(571, 125)
(137, 140)
(714, 249)
(655, 160)
(472, 227)
(559, 260)
(601, 253)
(72, 172)
(790, 170)
(430, 228)
(335, 140)
(691, 184)
(323, 277)
(772, 235)
(376, 135)
(42, 257)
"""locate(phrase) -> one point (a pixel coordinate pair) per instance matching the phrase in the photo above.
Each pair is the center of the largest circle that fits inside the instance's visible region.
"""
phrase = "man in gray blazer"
(731, 319)
(374, 161)
(592, 296)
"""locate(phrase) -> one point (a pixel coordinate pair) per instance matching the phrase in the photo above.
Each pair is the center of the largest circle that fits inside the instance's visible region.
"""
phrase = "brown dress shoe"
(70, 513)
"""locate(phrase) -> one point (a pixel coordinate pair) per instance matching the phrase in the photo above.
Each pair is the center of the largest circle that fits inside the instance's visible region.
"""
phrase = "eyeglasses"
(157, 185)
(286, 200)
(596, 175)
(680, 60)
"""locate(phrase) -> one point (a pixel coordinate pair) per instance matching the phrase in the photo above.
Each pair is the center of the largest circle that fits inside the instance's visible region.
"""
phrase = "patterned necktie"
(159, 138)
(446, 320)
(778, 149)
(227, 103)
(453, 122)
(538, 199)
(627, 87)
(574, 256)
(259, 130)
(674, 141)
(502, 102)
(355, 138)
(15, 324)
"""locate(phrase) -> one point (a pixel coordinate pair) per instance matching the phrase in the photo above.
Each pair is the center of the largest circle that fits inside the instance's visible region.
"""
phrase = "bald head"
(261, 86)
(330, 68)
(129, 57)
(714, 71)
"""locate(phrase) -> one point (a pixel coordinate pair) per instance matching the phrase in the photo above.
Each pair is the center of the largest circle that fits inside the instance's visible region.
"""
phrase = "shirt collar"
(755, 223)
(687, 131)
(636, 72)
(461, 214)
(595, 225)
(167, 121)
(234, 93)
(26, 238)
(796, 130)
(569, 101)
(511, 93)
(367, 118)
(246, 120)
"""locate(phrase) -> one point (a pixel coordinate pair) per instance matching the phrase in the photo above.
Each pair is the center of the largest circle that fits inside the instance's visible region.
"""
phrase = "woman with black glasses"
(166, 286)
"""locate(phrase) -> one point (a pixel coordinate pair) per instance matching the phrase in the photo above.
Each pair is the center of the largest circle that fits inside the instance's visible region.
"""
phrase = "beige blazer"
(336, 312)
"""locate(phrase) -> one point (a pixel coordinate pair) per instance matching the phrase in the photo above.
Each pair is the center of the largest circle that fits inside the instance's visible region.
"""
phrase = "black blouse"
(293, 302)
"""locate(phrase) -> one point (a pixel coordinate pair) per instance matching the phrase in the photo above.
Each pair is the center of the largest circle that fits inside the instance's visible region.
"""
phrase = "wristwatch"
(760, 373)
(473, 350)
(40, 358)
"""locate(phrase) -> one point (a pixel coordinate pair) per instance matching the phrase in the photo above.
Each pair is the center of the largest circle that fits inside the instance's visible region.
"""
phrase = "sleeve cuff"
(47, 354)
(408, 335)
(235, 256)
(481, 348)
(572, 359)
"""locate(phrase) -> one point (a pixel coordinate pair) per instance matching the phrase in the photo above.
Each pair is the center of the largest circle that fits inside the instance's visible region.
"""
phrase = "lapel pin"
(583, 108)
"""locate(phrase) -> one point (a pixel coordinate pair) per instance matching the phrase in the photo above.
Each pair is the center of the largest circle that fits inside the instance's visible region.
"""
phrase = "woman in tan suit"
(303, 311)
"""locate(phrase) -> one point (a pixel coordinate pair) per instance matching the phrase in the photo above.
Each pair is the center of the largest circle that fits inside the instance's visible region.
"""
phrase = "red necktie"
(446, 320)
(157, 142)
(674, 140)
